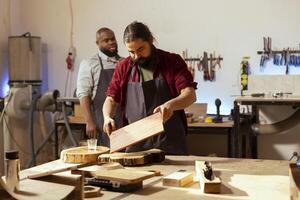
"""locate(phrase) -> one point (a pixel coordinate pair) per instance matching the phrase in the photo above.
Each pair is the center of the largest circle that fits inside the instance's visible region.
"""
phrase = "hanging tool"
(205, 66)
(211, 68)
(287, 60)
(244, 73)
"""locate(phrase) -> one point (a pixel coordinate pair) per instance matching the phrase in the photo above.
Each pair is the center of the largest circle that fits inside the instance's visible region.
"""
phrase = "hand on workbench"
(109, 125)
(91, 129)
(165, 110)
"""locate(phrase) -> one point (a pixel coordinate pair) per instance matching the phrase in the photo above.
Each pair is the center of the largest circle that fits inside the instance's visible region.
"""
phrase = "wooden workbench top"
(241, 179)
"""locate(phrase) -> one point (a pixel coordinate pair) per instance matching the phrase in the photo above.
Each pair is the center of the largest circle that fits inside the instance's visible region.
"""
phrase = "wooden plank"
(123, 175)
(178, 179)
(136, 132)
(51, 168)
(82, 154)
(206, 185)
(90, 170)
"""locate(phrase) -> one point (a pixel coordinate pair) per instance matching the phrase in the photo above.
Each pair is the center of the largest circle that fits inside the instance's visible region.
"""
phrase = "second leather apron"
(104, 80)
(141, 99)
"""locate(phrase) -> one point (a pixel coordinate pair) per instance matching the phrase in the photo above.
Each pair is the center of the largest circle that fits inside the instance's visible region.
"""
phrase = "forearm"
(187, 97)
(109, 108)
(85, 103)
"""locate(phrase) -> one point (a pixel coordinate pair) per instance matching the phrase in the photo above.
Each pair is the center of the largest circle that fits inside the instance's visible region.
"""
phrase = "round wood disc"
(82, 154)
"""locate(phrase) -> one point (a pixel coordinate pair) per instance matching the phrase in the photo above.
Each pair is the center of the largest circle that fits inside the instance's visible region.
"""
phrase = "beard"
(109, 53)
(141, 60)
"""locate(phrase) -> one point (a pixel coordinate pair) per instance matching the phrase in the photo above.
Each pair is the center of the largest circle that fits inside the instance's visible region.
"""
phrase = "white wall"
(233, 28)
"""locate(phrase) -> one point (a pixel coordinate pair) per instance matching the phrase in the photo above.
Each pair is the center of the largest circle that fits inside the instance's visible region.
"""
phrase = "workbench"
(239, 150)
(241, 179)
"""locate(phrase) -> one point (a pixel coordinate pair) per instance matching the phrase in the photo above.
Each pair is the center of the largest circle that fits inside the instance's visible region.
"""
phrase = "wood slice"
(136, 132)
(133, 159)
(82, 154)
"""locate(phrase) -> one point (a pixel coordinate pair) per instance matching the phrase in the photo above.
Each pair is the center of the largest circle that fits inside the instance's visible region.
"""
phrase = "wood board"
(123, 175)
(50, 168)
(32, 189)
(136, 132)
(133, 159)
(82, 154)
(90, 170)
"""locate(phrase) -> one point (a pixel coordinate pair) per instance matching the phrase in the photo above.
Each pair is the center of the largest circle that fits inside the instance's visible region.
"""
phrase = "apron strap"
(101, 64)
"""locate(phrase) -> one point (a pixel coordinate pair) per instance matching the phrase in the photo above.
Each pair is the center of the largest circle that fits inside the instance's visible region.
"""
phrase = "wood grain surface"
(136, 132)
(123, 175)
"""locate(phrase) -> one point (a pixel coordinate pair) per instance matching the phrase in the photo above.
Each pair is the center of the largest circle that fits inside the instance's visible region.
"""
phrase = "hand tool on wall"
(205, 66)
(244, 73)
(270, 45)
(211, 68)
(265, 40)
(287, 60)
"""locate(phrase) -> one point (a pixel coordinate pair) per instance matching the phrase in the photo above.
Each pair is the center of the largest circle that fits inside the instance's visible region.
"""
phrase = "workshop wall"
(4, 33)
(232, 28)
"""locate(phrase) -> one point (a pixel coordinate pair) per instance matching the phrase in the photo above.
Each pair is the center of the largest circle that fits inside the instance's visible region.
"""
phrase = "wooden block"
(82, 154)
(294, 174)
(136, 132)
(133, 159)
(207, 186)
(178, 179)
